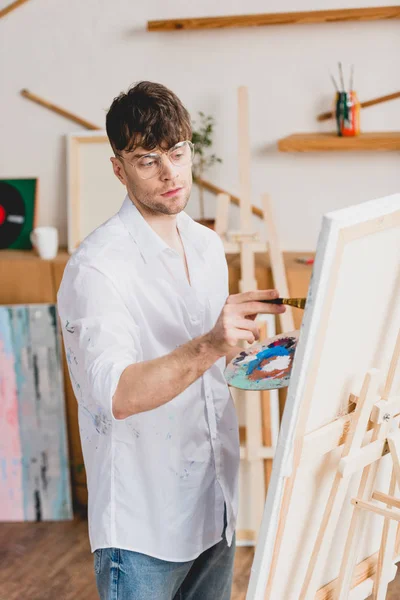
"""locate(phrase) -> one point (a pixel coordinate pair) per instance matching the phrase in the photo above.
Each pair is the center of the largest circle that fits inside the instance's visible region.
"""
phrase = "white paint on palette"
(278, 364)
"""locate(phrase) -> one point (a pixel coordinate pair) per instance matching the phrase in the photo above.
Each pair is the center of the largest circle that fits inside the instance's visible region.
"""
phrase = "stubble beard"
(149, 203)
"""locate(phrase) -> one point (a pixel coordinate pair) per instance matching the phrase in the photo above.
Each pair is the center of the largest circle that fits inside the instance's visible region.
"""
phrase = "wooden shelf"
(292, 18)
(384, 141)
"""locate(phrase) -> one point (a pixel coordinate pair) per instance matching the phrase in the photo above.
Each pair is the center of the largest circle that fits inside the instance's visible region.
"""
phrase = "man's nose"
(168, 169)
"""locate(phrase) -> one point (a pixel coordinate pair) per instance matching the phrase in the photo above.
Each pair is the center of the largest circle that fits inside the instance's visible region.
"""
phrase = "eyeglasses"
(150, 165)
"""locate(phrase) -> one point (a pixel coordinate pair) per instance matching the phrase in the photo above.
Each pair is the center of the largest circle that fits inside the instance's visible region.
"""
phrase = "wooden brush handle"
(296, 302)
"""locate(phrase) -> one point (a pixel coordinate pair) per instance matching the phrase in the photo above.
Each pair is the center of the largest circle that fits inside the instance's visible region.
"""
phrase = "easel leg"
(365, 491)
(340, 485)
(385, 557)
(221, 215)
(359, 517)
(389, 533)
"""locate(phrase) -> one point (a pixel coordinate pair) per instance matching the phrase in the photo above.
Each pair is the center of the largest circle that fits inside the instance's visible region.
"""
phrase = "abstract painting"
(34, 466)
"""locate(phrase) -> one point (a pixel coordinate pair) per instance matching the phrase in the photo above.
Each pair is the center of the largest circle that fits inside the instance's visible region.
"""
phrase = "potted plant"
(203, 160)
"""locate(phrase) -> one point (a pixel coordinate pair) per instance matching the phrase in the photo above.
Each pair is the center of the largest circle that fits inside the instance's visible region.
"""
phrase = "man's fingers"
(242, 334)
(253, 308)
(250, 326)
(253, 296)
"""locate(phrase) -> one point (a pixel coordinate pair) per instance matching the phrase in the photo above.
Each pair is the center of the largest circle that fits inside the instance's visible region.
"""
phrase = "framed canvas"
(94, 194)
(18, 212)
(35, 480)
(350, 326)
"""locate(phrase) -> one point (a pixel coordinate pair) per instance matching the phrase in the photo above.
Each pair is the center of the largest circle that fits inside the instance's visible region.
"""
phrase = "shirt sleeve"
(101, 337)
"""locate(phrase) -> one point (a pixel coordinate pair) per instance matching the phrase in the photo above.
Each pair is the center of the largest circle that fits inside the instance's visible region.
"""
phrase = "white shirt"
(158, 480)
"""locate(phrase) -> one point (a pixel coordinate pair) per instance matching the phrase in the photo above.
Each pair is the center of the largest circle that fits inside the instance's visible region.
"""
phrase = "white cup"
(45, 241)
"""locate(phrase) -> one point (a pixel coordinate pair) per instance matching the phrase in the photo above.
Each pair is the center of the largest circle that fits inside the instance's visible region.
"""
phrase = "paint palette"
(264, 366)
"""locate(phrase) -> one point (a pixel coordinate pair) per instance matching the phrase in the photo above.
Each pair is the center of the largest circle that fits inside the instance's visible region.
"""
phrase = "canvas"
(94, 194)
(350, 326)
(34, 481)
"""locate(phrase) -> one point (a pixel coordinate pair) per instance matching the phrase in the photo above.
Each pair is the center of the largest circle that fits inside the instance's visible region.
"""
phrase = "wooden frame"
(311, 433)
(94, 194)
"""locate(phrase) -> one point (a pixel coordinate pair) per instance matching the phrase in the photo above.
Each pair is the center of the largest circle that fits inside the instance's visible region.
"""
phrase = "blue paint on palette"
(264, 366)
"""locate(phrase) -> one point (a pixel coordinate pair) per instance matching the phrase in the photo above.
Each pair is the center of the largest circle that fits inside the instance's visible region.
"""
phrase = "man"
(148, 327)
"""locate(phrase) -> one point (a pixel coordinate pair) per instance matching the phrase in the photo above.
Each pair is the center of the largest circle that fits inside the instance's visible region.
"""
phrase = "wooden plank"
(222, 214)
(244, 160)
(245, 535)
(248, 282)
(388, 499)
(277, 263)
(57, 109)
(215, 189)
(285, 18)
(385, 141)
(393, 441)
(370, 506)
(234, 247)
(7, 9)
(363, 571)
(364, 457)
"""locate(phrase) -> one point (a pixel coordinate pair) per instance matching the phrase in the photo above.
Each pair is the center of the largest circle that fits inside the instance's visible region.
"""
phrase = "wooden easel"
(374, 432)
(245, 243)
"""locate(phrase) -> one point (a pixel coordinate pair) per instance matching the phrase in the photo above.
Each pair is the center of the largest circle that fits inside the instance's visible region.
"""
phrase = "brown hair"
(147, 115)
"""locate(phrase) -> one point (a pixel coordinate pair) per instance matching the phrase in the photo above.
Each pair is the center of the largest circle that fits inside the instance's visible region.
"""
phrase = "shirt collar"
(149, 242)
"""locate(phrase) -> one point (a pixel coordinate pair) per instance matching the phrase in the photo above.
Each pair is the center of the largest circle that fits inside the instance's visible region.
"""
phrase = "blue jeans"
(127, 575)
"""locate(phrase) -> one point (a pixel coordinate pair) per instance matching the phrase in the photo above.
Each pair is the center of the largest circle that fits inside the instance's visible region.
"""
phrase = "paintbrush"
(296, 302)
(334, 83)
(341, 76)
(351, 78)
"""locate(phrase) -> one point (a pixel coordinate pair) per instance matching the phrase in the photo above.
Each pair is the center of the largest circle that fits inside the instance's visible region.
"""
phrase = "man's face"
(167, 192)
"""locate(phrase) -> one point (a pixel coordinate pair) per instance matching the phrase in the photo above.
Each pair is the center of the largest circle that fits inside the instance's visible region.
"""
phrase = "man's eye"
(148, 162)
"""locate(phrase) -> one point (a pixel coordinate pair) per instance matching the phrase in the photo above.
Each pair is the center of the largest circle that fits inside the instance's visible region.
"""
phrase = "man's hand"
(236, 321)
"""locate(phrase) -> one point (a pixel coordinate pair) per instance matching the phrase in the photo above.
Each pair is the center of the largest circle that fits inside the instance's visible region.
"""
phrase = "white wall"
(80, 54)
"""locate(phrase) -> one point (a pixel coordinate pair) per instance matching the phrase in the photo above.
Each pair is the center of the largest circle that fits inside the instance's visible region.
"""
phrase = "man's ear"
(118, 169)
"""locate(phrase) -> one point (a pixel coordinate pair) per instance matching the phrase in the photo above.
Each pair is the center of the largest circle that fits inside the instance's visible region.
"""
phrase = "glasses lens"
(148, 166)
(182, 154)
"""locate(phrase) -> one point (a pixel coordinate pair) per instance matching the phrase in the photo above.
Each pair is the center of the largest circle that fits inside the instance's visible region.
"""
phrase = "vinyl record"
(12, 214)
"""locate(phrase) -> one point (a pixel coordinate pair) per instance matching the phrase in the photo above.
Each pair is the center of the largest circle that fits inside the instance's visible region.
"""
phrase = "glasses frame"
(158, 154)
